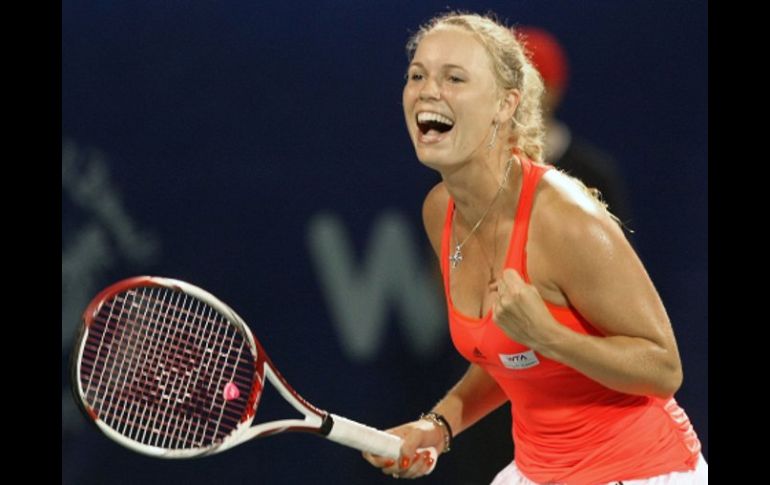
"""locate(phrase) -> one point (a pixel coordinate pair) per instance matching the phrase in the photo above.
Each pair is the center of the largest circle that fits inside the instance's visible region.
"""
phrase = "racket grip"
(365, 438)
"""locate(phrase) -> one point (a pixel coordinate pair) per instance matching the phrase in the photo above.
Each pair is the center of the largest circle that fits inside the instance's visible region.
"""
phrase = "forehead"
(452, 45)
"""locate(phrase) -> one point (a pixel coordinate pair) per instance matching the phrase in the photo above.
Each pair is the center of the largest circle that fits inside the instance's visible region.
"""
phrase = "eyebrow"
(444, 66)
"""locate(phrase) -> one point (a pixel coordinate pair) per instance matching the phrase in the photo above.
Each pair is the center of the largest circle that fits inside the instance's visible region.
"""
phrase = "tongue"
(431, 135)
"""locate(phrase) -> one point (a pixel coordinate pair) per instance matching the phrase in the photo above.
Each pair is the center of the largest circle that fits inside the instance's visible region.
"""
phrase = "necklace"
(457, 256)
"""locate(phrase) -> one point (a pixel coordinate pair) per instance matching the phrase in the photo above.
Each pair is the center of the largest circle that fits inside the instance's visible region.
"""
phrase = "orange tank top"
(567, 428)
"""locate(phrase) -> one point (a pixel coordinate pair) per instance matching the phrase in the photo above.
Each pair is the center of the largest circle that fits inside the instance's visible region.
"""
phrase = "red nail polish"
(390, 463)
(404, 463)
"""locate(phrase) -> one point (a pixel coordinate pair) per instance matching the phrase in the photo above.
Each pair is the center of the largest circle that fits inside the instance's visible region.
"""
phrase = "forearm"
(474, 396)
(631, 365)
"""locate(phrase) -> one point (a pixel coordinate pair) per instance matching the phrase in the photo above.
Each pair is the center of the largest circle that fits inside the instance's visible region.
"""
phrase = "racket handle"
(365, 438)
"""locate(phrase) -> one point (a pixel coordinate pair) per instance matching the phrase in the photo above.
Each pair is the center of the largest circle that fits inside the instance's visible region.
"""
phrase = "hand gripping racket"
(168, 370)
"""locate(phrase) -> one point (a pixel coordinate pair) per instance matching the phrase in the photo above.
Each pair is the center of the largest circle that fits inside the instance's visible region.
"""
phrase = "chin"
(431, 159)
(433, 155)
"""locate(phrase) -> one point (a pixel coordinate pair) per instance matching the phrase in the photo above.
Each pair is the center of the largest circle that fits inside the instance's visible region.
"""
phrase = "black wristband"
(441, 421)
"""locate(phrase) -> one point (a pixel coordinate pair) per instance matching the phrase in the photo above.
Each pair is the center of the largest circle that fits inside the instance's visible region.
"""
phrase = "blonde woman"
(547, 299)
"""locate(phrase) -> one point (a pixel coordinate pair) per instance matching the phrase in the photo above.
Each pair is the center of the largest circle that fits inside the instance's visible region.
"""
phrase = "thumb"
(412, 441)
(512, 276)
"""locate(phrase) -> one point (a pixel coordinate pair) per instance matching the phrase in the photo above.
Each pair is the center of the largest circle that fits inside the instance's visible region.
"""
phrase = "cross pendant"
(456, 257)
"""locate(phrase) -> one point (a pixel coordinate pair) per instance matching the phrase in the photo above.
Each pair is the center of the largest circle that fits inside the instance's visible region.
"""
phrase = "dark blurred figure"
(563, 148)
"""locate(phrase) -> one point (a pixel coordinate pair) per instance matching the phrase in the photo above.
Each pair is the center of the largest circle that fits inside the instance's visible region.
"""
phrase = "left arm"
(592, 264)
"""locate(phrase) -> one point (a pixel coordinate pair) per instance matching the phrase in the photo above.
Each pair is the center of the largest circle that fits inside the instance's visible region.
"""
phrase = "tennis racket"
(168, 370)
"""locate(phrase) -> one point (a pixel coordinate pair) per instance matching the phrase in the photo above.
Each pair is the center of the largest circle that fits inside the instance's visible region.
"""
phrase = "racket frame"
(316, 420)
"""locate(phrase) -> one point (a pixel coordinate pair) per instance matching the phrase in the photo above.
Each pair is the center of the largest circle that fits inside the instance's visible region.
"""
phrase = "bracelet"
(441, 422)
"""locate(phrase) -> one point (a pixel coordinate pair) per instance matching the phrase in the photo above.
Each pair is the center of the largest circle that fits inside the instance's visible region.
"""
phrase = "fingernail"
(390, 463)
(428, 459)
(404, 463)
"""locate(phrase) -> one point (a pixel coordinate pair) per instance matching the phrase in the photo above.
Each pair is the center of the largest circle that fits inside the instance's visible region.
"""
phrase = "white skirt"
(511, 475)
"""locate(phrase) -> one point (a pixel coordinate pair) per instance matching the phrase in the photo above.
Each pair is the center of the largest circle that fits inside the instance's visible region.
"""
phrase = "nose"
(430, 90)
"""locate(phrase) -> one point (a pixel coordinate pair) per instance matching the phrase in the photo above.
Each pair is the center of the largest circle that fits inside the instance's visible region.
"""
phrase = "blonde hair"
(512, 70)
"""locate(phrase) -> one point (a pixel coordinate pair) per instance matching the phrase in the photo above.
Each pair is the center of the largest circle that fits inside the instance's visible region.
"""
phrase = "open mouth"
(433, 123)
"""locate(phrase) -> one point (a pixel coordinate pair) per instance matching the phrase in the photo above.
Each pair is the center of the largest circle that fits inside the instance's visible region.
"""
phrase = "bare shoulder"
(570, 229)
(562, 201)
(580, 253)
(433, 214)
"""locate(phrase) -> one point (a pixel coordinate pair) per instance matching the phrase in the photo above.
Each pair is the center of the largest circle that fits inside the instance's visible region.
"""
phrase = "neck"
(474, 185)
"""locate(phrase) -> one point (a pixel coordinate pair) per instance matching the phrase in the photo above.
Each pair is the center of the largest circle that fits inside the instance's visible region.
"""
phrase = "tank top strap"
(517, 257)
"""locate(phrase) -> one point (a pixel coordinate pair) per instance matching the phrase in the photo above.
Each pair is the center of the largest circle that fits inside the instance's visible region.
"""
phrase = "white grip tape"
(365, 438)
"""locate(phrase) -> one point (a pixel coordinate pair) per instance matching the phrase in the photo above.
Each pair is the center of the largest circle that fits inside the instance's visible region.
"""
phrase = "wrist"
(561, 340)
(443, 425)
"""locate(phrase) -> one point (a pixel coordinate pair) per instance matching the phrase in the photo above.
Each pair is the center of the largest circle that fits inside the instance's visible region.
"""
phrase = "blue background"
(226, 127)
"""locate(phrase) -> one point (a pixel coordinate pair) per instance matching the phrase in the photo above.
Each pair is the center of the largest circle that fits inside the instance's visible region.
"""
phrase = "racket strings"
(154, 366)
(172, 382)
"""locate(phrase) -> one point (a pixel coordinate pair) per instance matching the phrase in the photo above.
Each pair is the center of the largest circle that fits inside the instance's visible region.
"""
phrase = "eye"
(414, 76)
(456, 79)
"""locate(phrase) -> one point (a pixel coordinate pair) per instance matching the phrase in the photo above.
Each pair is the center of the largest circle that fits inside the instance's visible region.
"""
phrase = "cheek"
(407, 100)
(479, 115)
(474, 128)
(408, 95)
(475, 122)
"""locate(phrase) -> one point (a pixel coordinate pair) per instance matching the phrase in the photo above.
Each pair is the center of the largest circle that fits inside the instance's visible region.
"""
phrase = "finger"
(496, 310)
(405, 461)
(420, 464)
(390, 467)
(427, 461)
(512, 278)
(512, 273)
(500, 290)
(378, 461)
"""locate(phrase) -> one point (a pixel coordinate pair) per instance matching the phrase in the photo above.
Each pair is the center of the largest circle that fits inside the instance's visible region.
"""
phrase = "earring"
(491, 143)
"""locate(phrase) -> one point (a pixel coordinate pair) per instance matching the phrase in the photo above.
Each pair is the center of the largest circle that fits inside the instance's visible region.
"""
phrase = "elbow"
(670, 382)
(668, 372)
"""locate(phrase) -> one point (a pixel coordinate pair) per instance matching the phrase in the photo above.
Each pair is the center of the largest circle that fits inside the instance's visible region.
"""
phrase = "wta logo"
(523, 360)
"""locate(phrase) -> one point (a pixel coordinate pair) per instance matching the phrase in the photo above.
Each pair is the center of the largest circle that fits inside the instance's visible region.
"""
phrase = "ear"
(508, 105)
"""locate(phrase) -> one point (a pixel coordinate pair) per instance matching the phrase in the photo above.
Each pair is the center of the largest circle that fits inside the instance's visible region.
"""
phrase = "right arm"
(474, 396)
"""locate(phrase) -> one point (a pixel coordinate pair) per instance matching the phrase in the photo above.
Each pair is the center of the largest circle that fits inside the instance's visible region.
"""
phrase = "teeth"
(425, 116)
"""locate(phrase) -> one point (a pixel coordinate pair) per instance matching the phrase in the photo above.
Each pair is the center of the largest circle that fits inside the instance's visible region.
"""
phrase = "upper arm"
(433, 213)
(589, 259)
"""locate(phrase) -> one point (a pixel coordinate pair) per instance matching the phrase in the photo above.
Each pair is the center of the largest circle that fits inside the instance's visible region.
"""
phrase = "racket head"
(166, 369)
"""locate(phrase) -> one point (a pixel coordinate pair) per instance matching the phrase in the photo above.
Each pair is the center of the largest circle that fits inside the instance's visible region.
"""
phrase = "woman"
(547, 299)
